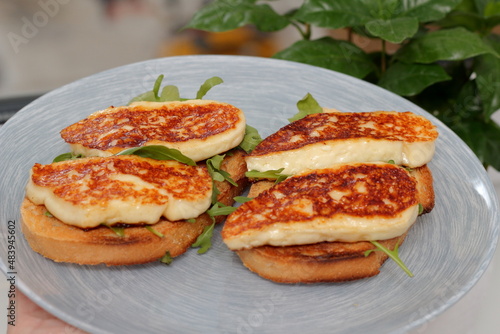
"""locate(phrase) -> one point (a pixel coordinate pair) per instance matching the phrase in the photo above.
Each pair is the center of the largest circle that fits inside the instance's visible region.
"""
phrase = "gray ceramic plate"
(448, 249)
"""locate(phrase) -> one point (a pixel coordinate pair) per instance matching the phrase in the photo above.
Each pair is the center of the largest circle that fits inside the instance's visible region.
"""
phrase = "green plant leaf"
(410, 79)
(158, 152)
(487, 69)
(204, 240)
(67, 156)
(273, 174)
(394, 30)
(223, 15)
(251, 139)
(167, 258)
(447, 44)
(426, 10)
(483, 138)
(170, 93)
(207, 85)
(393, 254)
(334, 14)
(307, 106)
(332, 54)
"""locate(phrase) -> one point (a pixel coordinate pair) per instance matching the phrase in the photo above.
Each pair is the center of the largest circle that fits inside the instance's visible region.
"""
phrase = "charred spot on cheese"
(120, 189)
(320, 140)
(198, 128)
(347, 202)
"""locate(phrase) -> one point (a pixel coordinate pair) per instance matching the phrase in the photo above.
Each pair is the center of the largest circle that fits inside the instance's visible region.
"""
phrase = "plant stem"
(383, 60)
(306, 33)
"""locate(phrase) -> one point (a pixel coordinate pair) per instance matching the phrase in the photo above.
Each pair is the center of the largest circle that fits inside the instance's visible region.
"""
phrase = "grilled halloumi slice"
(323, 139)
(347, 203)
(124, 189)
(199, 129)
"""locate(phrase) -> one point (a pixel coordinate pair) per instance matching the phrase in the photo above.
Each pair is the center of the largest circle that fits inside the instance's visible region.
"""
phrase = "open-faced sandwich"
(137, 184)
(354, 185)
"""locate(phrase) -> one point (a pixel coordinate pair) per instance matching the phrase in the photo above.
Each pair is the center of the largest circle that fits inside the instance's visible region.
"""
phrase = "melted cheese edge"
(127, 211)
(328, 153)
(344, 228)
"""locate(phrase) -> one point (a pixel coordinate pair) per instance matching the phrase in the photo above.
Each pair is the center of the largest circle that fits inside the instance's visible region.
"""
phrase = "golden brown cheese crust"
(324, 127)
(65, 243)
(178, 180)
(386, 190)
(123, 127)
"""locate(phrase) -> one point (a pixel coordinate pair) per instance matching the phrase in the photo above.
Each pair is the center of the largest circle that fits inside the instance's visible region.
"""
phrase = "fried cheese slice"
(323, 139)
(124, 189)
(199, 129)
(347, 203)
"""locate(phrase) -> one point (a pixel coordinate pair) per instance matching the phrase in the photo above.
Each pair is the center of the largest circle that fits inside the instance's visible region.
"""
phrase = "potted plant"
(444, 55)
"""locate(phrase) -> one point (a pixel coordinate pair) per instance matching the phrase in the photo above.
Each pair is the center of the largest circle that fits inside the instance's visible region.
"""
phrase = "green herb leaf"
(152, 230)
(48, 214)
(191, 220)
(394, 255)
(204, 240)
(158, 152)
(167, 258)
(207, 85)
(420, 209)
(307, 106)
(410, 79)
(274, 174)
(67, 156)
(215, 171)
(219, 209)
(242, 199)
(446, 44)
(251, 140)
(170, 93)
(394, 30)
(119, 231)
(336, 55)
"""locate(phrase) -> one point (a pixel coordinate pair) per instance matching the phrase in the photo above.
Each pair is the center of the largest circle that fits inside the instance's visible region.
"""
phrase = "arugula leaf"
(119, 231)
(307, 106)
(204, 240)
(155, 232)
(242, 199)
(215, 171)
(394, 255)
(167, 258)
(251, 140)
(273, 174)
(158, 152)
(171, 92)
(219, 209)
(207, 85)
(67, 156)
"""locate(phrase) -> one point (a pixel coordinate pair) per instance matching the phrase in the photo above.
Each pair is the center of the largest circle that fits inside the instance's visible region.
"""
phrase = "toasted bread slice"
(65, 243)
(125, 189)
(322, 262)
(327, 261)
(199, 129)
(323, 139)
(347, 202)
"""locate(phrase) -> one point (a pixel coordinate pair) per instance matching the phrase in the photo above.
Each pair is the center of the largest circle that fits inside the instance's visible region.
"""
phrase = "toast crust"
(327, 261)
(65, 243)
(323, 262)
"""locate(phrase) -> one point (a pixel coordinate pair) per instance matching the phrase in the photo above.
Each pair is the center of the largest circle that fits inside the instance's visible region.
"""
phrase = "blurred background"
(45, 44)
